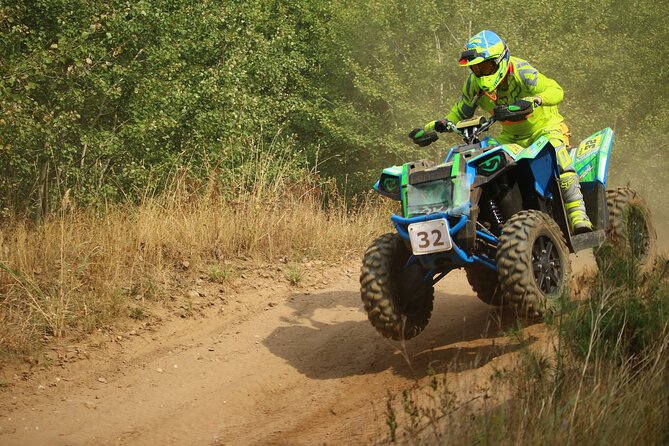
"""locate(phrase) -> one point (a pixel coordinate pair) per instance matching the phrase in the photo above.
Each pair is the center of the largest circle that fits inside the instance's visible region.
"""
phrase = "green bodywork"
(518, 152)
(590, 161)
(436, 195)
(591, 157)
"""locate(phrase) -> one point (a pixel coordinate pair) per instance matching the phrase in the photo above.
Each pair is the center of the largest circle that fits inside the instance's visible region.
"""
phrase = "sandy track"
(309, 369)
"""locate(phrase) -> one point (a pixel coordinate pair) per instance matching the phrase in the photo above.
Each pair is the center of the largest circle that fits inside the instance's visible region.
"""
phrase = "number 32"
(425, 239)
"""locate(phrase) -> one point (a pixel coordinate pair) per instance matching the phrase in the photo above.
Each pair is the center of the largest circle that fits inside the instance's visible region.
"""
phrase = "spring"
(496, 212)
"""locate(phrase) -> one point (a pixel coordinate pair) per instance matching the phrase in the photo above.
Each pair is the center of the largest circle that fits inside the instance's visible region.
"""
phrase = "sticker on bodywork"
(591, 157)
(588, 146)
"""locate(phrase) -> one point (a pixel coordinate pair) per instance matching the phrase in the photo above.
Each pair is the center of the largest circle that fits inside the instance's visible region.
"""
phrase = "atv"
(495, 210)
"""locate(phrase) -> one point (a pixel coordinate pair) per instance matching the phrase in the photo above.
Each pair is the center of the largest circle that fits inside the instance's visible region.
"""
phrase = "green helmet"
(488, 57)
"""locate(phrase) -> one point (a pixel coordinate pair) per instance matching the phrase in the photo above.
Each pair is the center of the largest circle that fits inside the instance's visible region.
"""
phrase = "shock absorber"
(496, 212)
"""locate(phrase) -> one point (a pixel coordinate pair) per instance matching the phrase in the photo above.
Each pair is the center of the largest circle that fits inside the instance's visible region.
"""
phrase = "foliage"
(294, 274)
(108, 99)
(626, 314)
(605, 381)
(112, 96)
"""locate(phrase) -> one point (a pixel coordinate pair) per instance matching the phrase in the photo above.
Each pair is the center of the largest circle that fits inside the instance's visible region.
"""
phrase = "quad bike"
(496, 211)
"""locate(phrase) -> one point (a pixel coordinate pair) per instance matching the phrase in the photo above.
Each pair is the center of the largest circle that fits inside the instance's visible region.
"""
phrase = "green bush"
(108, 99)
(626, 314)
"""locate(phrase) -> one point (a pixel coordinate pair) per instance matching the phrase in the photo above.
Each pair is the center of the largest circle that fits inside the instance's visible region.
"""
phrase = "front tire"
(398, 303)
(630, 229)
(533, 263)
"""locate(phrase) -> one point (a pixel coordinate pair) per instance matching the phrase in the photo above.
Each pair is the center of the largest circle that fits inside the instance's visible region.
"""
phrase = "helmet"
(488, 57)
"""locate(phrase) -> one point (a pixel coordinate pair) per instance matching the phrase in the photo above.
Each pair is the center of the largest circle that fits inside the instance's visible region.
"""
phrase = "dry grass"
(79, 269)
(604, 381)
(607, 404)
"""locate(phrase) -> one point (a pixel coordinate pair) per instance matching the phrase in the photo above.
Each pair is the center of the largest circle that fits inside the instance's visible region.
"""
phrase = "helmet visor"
(485, 68)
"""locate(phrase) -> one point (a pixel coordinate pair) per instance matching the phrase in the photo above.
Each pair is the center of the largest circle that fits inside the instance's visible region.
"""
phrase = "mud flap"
(594, 196)
(588, 240)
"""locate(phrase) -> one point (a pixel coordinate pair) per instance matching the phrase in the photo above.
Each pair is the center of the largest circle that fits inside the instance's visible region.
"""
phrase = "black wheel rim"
(546, 264)
(637, 234)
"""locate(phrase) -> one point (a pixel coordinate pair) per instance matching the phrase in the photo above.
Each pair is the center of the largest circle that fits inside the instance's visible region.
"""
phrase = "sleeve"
(539, 85)
(465, 107)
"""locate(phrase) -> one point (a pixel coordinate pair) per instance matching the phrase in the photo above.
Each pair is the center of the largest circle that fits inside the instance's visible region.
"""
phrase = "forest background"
(107, 101)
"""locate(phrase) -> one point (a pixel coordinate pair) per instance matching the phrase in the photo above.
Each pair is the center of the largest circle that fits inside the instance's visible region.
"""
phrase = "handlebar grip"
(514, 112)
(423, 138)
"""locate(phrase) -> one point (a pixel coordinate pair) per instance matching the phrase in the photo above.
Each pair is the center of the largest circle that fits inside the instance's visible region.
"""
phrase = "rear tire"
(533, 263)
(485, 284)
(398, 303)
(630, 229)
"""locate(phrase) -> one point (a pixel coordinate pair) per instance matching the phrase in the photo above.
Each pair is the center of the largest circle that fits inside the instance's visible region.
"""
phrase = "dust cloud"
(645, 170)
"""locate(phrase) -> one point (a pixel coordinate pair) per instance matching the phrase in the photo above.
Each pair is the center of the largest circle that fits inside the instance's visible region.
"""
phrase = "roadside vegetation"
(104, 100)
(604, 378)
(82, 269)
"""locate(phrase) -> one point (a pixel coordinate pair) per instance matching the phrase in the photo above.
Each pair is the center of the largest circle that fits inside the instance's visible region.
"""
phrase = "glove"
(440, 125)
(423, 138)
(522, 105)
(518, 111)
(535, 100)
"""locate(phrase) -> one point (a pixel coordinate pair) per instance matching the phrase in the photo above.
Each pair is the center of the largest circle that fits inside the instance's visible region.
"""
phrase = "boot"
(573, 203)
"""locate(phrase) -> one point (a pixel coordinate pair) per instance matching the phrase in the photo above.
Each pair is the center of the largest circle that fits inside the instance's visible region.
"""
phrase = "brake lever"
(488, 124)
(454, 128)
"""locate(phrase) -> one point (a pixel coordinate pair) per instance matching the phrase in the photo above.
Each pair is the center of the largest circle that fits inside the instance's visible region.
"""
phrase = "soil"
(262, 363)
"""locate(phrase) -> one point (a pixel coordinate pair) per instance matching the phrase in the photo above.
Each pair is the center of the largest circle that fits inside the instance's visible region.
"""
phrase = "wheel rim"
(546, 264)
(637, 234)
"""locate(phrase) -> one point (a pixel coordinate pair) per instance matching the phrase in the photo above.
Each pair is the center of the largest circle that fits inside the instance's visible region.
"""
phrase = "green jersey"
(522, 81)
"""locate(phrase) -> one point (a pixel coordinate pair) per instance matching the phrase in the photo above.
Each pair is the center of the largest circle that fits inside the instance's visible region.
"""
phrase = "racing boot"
(573, 203)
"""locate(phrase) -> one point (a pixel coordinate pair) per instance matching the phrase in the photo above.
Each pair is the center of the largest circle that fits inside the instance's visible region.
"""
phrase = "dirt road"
(274, 366)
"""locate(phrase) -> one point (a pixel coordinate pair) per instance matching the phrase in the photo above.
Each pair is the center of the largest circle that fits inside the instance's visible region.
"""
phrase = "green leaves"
(110, 94)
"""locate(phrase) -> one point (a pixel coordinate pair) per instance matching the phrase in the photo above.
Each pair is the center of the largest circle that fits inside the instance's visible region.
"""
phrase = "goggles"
(483, 68)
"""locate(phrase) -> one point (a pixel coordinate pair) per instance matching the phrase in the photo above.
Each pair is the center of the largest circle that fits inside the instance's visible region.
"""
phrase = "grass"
(294, 274)
(81, 269)
(604, 381)
(220, 274)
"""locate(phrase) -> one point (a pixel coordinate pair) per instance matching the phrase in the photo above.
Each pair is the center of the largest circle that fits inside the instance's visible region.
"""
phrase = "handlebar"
(470, 129)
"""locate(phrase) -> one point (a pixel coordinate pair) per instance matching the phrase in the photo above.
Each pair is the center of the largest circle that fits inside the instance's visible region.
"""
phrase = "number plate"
(430, 236)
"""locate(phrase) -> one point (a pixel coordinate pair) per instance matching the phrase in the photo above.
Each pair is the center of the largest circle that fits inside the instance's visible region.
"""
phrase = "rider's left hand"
(523, 104)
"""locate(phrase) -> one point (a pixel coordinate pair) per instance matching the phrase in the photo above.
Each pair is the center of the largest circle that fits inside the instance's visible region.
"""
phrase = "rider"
(498, 79)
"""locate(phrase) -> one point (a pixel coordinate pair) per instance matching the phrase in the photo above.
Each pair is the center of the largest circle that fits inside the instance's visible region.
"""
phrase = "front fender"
(389, 183)
(541, 159)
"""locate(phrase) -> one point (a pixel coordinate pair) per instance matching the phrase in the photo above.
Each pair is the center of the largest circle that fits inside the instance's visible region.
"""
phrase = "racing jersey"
(522, 81)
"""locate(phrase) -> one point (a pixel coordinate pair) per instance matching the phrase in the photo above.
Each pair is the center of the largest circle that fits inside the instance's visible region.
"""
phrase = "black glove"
(515, 112)
(440, 125)
(521, 105)
(423, 138)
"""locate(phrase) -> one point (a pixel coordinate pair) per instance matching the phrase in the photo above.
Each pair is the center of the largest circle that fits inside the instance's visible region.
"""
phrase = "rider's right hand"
(423, 138)
(440, 125)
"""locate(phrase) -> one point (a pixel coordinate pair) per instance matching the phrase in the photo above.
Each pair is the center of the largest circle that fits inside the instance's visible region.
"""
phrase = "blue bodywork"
(539, 158)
